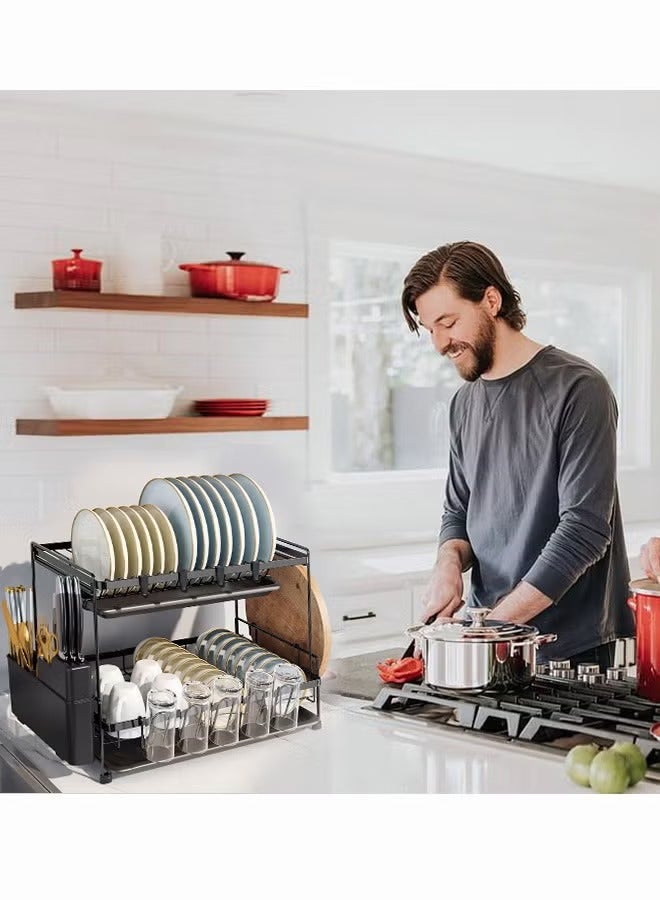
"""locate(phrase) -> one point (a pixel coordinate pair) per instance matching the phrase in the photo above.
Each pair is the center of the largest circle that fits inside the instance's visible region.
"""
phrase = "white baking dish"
(113, 401)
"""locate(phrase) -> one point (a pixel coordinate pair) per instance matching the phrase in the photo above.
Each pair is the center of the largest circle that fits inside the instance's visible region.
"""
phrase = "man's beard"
(477, 357)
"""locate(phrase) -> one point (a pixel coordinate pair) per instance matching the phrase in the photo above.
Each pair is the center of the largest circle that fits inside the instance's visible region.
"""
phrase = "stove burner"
(552, 712)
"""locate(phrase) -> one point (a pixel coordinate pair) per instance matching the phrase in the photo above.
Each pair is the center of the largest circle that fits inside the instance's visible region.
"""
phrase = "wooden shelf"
(205, 306)
(172, 425)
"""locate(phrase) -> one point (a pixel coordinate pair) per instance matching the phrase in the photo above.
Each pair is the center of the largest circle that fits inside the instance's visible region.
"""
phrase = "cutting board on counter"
(284, 612)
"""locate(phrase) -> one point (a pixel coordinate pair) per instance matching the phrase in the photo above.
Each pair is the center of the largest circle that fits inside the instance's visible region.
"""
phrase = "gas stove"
(554, 713)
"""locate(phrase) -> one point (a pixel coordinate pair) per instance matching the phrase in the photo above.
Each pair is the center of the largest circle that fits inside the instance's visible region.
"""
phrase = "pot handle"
(632, 603)
(412, 630)
(545, 639)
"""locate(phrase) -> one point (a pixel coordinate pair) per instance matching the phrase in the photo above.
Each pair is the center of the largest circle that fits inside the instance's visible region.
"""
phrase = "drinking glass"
(258, 701)
(287, 680)
(195, 727)
(225, 710)
(159, 741)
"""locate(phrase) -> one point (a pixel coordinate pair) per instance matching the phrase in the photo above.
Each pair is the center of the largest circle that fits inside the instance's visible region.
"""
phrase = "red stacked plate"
(231, 406)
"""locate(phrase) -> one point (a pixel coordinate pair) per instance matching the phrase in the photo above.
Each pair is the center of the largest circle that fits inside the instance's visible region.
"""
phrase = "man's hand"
(444, 593)
(650, 559)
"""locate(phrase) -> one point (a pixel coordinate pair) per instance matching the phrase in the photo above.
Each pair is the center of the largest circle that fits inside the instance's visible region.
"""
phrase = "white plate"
(167, 497)
(91, 545)
(248, 515)
(167, 535)
(211, 519)
(155, 537)
(132, 541)
(265, 517)
(222, 515)
(198, 518)
(205, 637)
(235, 519)
(146, 547)
(118, 542)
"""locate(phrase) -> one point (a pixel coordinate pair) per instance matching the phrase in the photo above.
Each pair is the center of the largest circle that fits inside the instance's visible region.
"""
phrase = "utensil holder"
(57, 703)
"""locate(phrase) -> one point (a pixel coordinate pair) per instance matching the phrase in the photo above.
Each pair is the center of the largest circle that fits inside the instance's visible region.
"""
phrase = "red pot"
(76, 274)
(645, 603)
(234, 279)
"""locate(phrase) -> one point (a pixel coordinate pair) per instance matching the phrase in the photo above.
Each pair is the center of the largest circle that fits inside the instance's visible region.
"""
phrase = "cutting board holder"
(60, 701)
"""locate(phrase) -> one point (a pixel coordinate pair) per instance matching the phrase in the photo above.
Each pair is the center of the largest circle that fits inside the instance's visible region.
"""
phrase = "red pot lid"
(235, 260)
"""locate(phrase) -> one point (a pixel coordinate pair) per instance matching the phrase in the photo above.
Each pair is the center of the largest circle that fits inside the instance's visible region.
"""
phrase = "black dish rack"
(60, 701)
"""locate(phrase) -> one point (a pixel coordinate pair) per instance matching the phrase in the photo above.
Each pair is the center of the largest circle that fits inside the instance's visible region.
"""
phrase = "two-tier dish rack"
(60, 701)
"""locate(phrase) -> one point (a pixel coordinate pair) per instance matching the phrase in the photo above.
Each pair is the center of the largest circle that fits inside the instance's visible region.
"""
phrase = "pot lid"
(448, 629)
(645, 586)
(235, 260)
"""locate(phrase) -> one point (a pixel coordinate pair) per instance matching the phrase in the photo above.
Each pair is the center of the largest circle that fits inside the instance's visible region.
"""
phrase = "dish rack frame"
(112, 599)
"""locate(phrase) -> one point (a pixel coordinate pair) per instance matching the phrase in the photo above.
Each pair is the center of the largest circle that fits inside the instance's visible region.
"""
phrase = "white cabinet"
(371, 614)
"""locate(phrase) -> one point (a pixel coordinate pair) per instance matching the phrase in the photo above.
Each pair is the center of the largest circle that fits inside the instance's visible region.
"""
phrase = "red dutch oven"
(644, 601)
(234, 279)
(76, 273)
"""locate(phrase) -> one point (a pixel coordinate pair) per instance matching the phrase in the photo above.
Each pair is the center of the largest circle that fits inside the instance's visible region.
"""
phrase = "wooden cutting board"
(284, 612)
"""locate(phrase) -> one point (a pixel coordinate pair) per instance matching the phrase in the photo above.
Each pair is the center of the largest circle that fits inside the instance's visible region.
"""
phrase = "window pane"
(390, 389)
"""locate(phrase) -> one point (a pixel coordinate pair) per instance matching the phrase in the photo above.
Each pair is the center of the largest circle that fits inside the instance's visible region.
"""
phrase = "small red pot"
(644, 601)
(234, 279)
(76, 274)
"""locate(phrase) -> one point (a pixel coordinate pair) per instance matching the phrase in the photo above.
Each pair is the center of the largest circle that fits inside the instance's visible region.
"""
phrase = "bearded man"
(531, 500)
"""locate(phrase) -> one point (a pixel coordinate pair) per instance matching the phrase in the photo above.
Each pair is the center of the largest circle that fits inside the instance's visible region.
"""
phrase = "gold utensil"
(20, 654)
(47, 645)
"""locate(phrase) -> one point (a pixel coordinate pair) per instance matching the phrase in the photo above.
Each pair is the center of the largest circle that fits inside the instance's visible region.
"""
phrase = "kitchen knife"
(76, 650)
(410, 650)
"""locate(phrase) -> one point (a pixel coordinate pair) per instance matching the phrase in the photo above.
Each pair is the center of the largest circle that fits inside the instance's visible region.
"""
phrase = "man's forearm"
(456, 551)
(522, 604)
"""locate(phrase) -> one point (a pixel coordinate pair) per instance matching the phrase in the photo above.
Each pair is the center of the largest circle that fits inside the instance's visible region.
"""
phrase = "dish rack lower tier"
(59, 703)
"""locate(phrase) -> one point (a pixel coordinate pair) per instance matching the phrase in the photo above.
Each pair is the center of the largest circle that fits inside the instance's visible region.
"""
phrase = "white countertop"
(355, 751)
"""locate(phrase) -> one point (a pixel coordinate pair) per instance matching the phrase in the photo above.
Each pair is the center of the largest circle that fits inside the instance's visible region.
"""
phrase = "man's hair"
(471, 268)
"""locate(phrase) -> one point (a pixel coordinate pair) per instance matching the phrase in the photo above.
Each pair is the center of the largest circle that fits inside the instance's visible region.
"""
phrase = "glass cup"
(159, 741)
(287, 680)
(195, 727)
(225, 710)
(258, 701)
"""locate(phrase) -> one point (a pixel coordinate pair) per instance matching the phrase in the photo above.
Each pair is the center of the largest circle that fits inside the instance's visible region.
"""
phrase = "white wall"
(69, 179)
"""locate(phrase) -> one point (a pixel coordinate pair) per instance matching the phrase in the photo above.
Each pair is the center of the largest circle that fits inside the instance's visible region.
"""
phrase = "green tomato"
(578, 762)
(608, 773)
(634, 758)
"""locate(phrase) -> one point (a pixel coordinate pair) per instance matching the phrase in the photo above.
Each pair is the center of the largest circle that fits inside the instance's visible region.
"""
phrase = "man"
(531, 501)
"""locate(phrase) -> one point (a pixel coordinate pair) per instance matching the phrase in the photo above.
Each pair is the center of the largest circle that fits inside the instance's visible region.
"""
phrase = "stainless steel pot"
(481, 656)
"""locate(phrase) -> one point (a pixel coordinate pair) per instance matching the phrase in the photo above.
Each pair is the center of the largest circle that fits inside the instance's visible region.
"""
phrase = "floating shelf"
(205, 306)
(173, 425)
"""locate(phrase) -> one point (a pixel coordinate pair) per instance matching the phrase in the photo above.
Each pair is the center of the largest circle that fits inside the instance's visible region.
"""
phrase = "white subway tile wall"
(65, 183)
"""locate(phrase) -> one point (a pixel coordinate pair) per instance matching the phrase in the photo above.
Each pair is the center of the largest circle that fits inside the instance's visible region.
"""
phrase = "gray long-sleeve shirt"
(532, 488)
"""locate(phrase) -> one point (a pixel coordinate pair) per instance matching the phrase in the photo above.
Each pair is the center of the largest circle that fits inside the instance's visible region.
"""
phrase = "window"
(390, 390)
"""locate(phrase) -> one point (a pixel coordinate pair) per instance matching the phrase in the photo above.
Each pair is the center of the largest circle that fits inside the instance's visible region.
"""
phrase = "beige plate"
(118, 542)
(145, 646)
(168, 536)
(133, 547)
(144, 538)
(155, 537)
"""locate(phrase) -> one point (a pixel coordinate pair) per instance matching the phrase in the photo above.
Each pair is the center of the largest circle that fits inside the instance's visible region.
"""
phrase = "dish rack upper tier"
(170, 590)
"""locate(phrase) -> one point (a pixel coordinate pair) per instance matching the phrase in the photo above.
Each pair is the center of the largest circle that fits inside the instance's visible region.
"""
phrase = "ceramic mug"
(143, 674)
(109, 675)
(125, 703)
